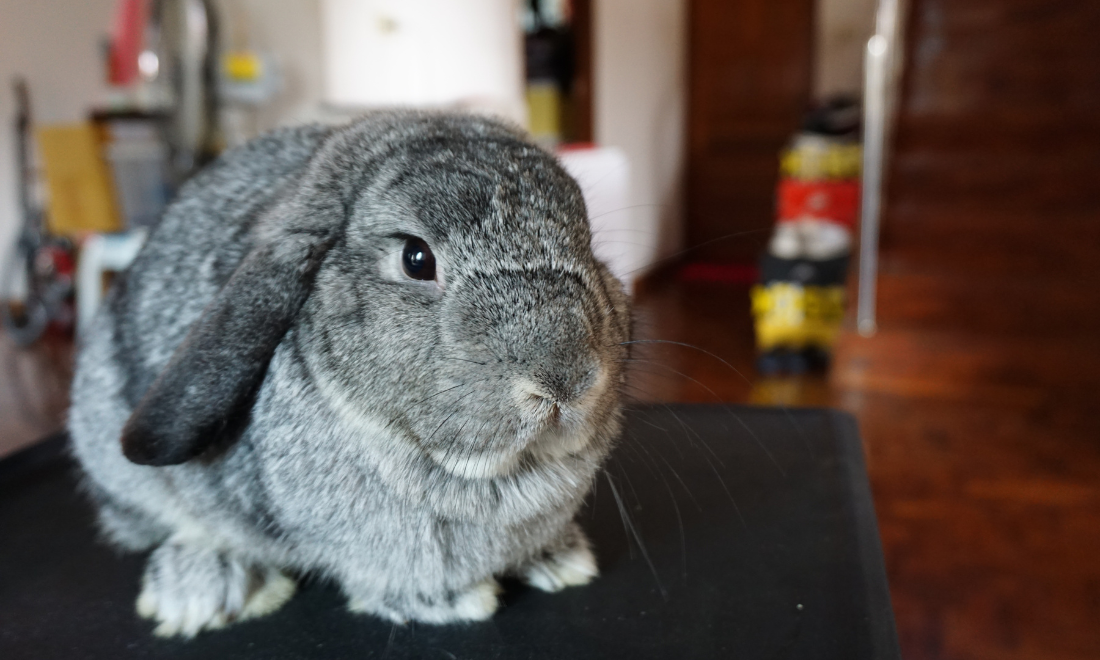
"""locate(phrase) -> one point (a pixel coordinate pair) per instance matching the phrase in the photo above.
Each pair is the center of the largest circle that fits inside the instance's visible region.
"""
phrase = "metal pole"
(879, 63)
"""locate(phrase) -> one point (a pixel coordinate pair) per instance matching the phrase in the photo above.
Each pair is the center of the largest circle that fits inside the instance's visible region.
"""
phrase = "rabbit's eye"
(418, 260)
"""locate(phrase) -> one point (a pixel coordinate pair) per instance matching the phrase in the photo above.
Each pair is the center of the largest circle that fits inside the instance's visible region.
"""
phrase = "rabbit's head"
(438, 275)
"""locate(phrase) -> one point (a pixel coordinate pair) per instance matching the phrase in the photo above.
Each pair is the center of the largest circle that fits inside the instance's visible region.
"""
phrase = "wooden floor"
(34, 390)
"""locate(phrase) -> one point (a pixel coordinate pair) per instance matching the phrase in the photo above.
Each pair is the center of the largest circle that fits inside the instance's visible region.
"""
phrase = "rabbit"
(382, 354)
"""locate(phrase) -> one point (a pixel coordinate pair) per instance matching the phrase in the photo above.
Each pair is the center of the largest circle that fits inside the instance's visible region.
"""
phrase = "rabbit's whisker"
(445, 357)
(682, 482)
(634, 532)
(786, 410)
(699, 245)
(708, 460)
(655, 470)
(686, 345)
(621, 209)
(736, 418)
(389, 642)
(460, 447)
(438, 393)
(448, 418)
(715, 395)
(615, 230)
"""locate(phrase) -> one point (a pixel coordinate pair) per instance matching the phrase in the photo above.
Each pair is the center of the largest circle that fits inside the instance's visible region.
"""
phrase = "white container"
(424, 53)
(603, 174)
(140, 169)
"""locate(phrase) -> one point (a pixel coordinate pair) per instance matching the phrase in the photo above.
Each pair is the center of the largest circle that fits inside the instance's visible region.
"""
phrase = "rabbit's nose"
(538, 403)
(564, 386)
(554, 394)
(537, 326)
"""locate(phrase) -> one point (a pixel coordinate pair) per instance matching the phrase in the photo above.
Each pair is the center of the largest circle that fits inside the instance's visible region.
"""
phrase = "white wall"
(639, 70)
(291, 29)
(640, 85)
(55, 45)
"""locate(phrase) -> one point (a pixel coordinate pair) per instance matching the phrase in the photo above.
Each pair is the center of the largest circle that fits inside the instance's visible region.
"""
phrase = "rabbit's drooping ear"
(214, 373)
(224, 356)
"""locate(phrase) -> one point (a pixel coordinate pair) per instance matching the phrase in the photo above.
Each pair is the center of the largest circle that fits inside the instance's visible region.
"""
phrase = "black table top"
(758, 540)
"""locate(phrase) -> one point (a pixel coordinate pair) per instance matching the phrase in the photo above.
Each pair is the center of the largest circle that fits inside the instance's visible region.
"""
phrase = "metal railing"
(882, 63)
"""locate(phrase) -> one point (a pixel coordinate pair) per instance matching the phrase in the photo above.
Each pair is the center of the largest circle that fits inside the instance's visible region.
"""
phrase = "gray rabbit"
(383, 354)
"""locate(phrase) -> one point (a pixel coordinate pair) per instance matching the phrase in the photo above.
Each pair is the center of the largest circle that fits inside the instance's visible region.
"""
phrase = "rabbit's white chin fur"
(556, 443)
(481, 465)
(549, 445)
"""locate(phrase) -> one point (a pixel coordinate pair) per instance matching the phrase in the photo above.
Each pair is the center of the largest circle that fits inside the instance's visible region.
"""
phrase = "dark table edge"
(884, 638)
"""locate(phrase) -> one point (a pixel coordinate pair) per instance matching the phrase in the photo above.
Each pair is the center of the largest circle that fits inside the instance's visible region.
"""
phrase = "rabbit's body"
(297, 404)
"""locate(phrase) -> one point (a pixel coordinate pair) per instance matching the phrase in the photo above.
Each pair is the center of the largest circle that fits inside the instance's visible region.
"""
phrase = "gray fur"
(296, 405)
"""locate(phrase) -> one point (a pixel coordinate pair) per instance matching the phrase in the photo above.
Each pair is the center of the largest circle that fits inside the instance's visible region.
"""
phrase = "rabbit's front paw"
(188, 588)
(555, 571)
(477, 603)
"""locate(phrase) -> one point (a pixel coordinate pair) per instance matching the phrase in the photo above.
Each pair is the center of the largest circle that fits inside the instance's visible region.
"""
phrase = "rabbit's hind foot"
(476, 603)
(188, 588)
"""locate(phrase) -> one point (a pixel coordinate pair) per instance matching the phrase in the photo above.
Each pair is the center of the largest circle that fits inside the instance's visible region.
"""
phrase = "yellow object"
(242, 66)
(544, 111)
(836, 161)
(790, 391)
(78, 179)
(793, 316)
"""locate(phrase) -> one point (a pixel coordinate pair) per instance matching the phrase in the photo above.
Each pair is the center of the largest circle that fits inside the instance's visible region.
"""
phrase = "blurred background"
(886, 206)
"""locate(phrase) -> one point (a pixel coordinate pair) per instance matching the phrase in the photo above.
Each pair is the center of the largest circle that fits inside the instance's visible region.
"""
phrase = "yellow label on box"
(81, 198)
(840, 161)
(790, 315)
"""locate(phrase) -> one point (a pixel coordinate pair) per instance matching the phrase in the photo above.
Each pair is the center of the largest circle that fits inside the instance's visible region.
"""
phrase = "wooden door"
(749, 79)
